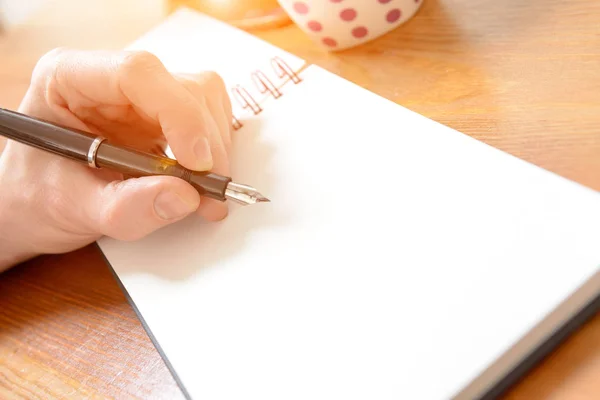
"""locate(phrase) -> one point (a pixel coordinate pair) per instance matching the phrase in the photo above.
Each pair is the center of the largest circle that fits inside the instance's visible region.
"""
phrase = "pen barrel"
(77, 144)
(133, 163)
(66, 142)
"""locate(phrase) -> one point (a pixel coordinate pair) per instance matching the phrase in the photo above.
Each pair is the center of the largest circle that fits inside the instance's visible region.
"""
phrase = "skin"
(51, 205)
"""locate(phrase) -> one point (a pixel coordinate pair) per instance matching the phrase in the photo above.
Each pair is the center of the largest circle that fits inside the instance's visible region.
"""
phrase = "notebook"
(397, 259)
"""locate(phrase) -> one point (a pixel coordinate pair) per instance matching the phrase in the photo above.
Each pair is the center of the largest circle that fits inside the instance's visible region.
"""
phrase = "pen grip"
(135, 163)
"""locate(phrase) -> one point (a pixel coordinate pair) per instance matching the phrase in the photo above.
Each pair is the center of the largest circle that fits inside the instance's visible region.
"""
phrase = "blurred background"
(30, 28)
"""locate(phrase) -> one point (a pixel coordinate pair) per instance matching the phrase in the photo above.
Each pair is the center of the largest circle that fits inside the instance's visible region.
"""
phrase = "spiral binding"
(264, 85)
(247, 101)
(282, 69)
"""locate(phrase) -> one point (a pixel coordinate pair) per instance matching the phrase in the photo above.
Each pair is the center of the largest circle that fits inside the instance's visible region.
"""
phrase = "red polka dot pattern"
(329, 42)
(300, 7)
(357, 27)
(315, 26)
(348, 14)
(393, 15)
(359, 32)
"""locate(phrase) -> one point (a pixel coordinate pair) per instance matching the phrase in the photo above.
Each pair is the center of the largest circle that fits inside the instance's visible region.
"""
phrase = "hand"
(49, 204)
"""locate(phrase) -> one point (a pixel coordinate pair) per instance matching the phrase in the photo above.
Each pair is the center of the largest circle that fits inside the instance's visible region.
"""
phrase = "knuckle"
(137, 62)
(211, 80)
(217, 83)
(206, 86)
(56, 52)
(114, 217)
(46, 69)
(215, 79)
(109, 214)
(111, 220)
(51, 58)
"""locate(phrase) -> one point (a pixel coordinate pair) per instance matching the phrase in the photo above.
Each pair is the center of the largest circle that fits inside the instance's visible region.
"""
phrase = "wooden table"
(523, 76)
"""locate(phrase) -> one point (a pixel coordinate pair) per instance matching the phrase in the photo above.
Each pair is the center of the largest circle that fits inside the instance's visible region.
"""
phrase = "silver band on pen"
(91, 155)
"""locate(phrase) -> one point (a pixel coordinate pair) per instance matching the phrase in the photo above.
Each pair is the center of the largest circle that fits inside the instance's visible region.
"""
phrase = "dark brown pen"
(98, 152)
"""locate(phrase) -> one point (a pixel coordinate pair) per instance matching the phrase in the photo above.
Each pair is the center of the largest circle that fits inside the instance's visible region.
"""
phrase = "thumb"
(131, 209)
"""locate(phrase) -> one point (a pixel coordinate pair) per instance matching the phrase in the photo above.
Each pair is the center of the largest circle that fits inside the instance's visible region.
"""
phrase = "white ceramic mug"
(341, 24)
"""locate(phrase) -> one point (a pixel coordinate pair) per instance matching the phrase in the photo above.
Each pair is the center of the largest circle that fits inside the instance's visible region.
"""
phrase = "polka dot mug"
(341, 24)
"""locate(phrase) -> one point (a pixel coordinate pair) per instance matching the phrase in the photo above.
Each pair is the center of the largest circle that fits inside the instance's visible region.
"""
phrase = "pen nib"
(244, 194)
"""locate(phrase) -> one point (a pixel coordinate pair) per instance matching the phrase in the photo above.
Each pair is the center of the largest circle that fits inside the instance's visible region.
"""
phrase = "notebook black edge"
(546, 348)
(499, 389)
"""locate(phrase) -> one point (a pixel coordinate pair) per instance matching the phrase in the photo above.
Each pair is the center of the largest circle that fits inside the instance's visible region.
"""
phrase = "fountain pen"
(98, 152)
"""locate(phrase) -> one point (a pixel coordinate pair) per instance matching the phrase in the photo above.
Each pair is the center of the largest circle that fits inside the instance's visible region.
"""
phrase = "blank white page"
(398, 259)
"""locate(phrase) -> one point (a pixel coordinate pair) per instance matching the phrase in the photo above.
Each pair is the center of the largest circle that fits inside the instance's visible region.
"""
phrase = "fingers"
(194, 115)
(185, 123)
(209, 87)
(71, 79)
(131, 209)
(209, 90)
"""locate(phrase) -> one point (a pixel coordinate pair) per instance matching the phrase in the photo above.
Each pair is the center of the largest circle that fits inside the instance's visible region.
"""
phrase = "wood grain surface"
(523, 76)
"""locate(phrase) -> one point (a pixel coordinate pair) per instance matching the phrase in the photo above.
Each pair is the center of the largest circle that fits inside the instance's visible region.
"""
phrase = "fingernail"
(203, 154)
(169, 205)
